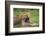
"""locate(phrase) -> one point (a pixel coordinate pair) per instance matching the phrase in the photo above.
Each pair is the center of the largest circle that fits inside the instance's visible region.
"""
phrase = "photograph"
(24, 17)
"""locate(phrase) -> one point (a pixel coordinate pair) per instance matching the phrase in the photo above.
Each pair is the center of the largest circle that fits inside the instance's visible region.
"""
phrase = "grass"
(34, 15)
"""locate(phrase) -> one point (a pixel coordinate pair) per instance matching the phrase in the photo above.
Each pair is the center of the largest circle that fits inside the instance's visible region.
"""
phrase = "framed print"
(24, 17)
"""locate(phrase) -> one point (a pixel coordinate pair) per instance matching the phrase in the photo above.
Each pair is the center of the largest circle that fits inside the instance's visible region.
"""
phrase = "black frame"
(7, 9)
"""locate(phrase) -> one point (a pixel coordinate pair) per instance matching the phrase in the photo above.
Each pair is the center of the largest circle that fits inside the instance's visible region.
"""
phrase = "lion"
(24, 19)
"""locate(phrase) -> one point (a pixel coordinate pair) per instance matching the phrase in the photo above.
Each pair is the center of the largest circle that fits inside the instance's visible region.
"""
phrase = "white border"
(25, 28)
